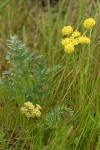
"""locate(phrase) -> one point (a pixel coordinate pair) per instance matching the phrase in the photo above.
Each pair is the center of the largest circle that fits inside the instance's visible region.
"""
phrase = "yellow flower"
(89, 23)
(67, 30)
(37, 112)
(30, 110)
(29, 105)
(33, 113)
(69, 48)
(74, 41)
(65, 41)
(76, 34)
(38, 106)
(29, 115)
(84, 40)
(24, 110)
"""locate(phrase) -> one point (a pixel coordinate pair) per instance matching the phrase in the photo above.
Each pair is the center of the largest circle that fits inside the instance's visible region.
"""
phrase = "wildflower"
(33, 114)
(37, 112)
(84, 40)
(67, 30)
(65, 41)
(29, 105)
(69, 48)
(75, 34)
(23, 110)
(38, 106)
(74, 41)
(75, 38)
(29, 115)
(31, 111)
(89, 23)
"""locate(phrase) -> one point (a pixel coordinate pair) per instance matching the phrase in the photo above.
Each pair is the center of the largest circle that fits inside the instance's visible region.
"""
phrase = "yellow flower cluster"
(30, 110)
(75, 38)
(84, 40)
(67, 30)
(89, 23)
(76, 34)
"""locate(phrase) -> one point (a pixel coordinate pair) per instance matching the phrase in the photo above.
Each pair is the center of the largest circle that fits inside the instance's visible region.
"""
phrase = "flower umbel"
(76, 34)
(76, 37)
(89, 23)
(67, 30)
(65, 41)
(84, 40)
(69, 48)
(31, 111)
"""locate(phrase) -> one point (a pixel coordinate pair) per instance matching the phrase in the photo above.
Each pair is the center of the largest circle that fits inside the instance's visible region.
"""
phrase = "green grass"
(70, 99)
